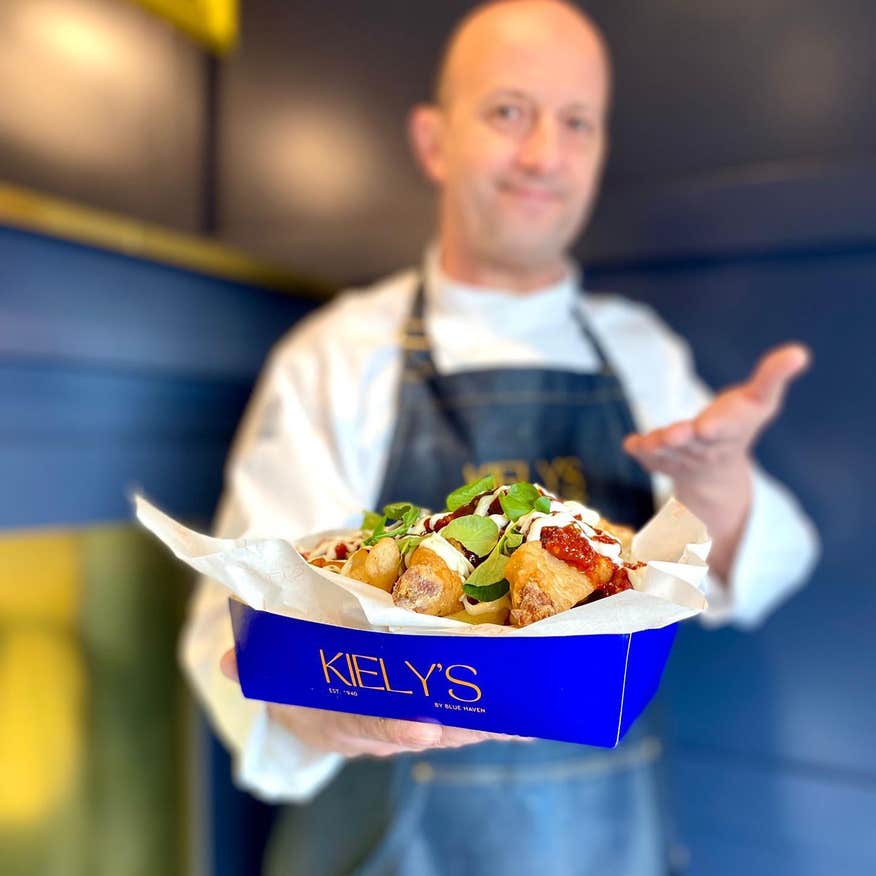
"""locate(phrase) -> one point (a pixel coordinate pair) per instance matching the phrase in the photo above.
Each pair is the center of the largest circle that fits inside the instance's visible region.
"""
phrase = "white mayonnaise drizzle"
(588, 515)
(419, 528)
(533, 523)
(561, 515)
(328, 548)
(444, 549)
(530, 525)
(481, 509)
(483, 505)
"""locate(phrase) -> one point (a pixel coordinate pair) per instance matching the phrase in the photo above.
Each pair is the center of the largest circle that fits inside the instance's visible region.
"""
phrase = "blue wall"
(116, 372)
(770, 734)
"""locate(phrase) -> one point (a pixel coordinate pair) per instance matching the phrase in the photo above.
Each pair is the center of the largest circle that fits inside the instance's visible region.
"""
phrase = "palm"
(726, 429)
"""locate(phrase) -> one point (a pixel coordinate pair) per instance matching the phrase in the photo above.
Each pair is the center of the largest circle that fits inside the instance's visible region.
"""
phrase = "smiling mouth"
(529, 193)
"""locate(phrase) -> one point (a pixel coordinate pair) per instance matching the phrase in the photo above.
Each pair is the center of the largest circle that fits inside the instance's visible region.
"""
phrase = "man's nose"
(540, 150)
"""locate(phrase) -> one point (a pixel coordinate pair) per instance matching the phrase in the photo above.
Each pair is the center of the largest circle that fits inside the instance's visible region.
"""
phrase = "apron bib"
(497, 807)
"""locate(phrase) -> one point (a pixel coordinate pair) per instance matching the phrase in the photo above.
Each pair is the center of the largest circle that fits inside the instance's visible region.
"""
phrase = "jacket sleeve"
(776, 555)
(281, 479)
(779, 547)
(269, 761)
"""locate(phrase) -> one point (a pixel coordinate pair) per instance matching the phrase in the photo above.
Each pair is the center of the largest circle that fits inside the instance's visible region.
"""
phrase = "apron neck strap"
(418, 351)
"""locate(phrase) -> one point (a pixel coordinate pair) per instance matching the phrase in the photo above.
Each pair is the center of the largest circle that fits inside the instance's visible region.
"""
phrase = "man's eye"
(580, 124)
(507, 112)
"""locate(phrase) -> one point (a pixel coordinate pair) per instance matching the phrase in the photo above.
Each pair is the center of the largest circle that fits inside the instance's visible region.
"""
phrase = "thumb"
(228, 665)
(775, 371)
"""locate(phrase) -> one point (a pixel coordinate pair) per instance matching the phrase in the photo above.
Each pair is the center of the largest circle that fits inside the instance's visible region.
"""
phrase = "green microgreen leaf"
(519, 500)
(492, 569)
(409, 544)
(404, 513)
(396, 510)
(487, 593)
(463, 495)
(372, 521)
(543, 504)
(511, 541)
(477, 534)
(489, 571)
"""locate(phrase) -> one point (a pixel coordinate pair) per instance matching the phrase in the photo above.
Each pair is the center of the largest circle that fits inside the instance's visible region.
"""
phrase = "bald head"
(515, 140)
(528, 23)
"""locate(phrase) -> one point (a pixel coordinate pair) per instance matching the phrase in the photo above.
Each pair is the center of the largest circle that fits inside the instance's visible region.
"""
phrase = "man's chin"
(518, 252)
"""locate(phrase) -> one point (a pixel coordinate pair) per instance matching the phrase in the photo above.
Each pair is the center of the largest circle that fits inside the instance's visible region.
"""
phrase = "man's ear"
(426, 132)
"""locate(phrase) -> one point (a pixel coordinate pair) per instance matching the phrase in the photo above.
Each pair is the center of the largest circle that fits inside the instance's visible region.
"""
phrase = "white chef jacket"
(313, 446)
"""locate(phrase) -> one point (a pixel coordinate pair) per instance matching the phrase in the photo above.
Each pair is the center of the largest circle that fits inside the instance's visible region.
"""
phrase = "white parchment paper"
(271, 575)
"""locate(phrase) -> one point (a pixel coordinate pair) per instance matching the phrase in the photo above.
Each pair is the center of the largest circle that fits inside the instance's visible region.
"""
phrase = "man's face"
(522, 146)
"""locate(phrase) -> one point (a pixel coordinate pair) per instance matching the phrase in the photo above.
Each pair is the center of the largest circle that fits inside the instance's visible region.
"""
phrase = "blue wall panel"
(771, 758)
(740, 816)
(75, 440)
(65, 301)
(116, 372)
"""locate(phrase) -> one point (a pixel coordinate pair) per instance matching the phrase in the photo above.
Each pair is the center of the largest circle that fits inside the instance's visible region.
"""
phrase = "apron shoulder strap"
(587, 331)
(417, 350)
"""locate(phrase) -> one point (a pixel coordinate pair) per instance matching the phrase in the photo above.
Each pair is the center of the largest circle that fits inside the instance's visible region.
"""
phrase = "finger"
(678, 435)
(356, 746)
(774, 373)
(633, 445)
(708, 452)
(351, 734)
(733, 417)
(228, 665)
(451, 737)
(669, 437)
(454, 737)
(679, 462)
(657, 463)
(408, 734)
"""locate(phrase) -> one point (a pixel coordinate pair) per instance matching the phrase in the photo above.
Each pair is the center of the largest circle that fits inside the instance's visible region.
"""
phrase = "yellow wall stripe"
(40, 577)
(211, 22)
(32, 211)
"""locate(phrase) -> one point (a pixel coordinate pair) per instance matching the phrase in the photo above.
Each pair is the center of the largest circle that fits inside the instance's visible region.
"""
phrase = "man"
(490, 358)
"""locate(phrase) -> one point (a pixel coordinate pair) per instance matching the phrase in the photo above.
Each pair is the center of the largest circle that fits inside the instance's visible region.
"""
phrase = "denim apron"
(496, 807)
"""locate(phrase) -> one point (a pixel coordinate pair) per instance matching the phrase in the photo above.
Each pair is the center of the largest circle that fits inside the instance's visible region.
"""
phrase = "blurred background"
(181, 180)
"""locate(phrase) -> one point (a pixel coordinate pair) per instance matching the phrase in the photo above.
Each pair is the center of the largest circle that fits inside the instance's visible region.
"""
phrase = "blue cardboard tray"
(587, 689)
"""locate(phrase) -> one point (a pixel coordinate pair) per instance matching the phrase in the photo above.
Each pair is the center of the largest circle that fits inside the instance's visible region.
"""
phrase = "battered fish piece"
(379, 566)
(429, 585)
(542, 585)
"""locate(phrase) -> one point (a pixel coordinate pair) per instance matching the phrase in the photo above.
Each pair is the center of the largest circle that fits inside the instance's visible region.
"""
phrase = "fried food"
(494, 613)
(542, 585)
(518, 552)
(379, 566)
(624, 534)
(429, 585)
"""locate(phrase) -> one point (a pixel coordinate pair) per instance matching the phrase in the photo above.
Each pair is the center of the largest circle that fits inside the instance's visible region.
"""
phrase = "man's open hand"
(708, 457)
(353, 735)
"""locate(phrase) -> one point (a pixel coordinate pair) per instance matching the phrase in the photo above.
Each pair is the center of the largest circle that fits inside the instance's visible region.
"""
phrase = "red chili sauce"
(569, 545)
(441, 522)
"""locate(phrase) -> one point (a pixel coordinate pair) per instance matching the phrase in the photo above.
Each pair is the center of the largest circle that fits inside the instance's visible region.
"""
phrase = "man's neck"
(460, 267)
